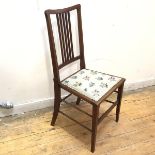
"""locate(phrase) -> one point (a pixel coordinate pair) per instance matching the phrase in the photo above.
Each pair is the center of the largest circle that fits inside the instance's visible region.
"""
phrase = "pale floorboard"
(134, 134)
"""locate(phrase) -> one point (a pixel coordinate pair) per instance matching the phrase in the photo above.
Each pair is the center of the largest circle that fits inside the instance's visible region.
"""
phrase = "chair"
(88, 85)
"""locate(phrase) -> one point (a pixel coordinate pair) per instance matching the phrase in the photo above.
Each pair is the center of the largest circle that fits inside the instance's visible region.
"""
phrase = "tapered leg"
(78, 101)
(119, 98)
(94, 126)
(57, 101)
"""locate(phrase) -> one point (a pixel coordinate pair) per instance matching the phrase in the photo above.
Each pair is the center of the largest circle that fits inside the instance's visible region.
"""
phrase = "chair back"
(60, 33)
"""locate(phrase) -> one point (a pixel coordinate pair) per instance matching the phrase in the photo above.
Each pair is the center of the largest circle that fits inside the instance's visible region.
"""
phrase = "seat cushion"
(91, 83)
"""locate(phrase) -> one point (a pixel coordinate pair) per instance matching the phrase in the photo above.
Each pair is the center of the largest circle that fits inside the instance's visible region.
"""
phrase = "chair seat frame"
(68, 57)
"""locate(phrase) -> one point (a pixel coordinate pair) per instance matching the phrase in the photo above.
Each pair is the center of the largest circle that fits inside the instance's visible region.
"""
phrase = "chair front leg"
(95, 113)
(78, 101)
(57, 101)
(119, 98)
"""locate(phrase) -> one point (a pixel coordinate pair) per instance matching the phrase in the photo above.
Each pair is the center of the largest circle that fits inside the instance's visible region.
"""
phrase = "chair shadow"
(77, 132)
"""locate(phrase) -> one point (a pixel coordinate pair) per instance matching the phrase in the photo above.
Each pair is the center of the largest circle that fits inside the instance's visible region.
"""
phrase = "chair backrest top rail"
(56, 11)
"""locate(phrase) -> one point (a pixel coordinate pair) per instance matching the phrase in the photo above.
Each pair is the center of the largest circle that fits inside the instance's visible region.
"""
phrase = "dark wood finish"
(78, 101)
(57, 100)
(106, 113)
(95, 113)
(109, 101)
(80, 32)
(77, 108)
(119, 98)
(66, 97)
(106, 95)
(68, 62)
(68, 56)
(65, 35)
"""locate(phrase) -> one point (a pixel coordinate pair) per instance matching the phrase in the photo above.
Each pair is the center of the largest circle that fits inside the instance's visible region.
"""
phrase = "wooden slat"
(65, 35)
(59, 22)
(75, 121)
(66, 42)
(66, 97)
(68, 62)
(70, 36)
(106, 113)
(110, 101)
(77, 108)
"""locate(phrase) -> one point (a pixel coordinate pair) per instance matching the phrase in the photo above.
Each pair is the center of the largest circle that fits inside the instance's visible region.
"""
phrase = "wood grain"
(31, 133)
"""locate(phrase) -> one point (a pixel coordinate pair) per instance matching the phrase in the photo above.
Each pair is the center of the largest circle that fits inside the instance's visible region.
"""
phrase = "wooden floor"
(31, 133)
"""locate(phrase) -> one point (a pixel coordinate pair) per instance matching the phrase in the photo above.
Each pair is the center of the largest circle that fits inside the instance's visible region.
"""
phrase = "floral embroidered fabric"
(91, 83)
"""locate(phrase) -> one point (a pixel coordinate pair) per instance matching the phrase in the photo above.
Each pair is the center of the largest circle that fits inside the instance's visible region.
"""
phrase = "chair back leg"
(119, 98)
(57, 101)
(78, 101)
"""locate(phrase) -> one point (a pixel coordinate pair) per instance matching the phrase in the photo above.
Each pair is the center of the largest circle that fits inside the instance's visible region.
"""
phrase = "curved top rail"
(49, 11)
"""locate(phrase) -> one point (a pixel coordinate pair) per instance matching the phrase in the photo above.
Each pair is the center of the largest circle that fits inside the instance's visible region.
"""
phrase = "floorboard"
(31, 133)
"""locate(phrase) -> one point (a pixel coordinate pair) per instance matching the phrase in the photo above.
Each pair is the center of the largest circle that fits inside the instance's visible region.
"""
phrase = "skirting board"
(25, 107)
(30, 106)
(44, 103)
(139, 84)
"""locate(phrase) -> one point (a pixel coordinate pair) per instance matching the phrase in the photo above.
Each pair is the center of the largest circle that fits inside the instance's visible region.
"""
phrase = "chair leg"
(57, 102)
(78, 101)
(119, 98)
(95, 113)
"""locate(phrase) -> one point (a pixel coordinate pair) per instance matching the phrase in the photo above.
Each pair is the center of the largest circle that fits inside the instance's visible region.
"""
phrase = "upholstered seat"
(91, 83)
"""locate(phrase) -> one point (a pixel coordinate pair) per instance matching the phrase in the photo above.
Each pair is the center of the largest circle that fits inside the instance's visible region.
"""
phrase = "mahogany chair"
(89, 85)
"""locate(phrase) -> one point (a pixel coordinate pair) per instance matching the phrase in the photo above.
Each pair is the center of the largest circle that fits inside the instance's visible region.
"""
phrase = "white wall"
(23, 70)
(119, 38)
